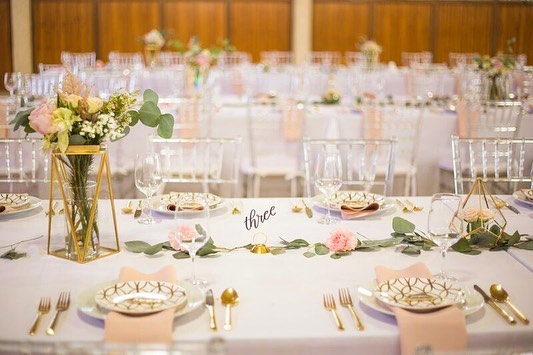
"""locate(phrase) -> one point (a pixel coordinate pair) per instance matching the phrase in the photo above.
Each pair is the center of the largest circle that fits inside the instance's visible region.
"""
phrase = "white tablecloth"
(280, 309)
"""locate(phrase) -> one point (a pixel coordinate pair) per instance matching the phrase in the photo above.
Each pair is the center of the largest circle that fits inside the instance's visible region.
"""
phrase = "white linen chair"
(505, 163)
(277, 58)
(367, 164)
(23, 166)
(123, 60)
(386, 122)
(274, 143)
(78, 61)
(212, 163)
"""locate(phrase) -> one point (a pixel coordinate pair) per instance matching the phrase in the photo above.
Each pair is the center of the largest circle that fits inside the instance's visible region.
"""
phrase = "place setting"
(13, 205)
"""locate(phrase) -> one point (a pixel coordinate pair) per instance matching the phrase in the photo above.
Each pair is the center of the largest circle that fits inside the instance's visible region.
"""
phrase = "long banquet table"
(280, 309)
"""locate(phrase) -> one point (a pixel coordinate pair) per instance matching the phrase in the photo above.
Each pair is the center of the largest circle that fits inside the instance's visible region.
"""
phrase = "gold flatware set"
(228, 298)
(409, 206)
(499, 295)
(63, 303)
(346, 301)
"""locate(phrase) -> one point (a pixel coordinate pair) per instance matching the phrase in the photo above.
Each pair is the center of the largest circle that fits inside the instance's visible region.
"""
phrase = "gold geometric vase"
(81, 228)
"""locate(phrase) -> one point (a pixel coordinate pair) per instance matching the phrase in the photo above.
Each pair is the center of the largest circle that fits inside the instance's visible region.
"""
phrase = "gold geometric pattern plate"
(141, 297)
(160, 203)
(419, 293)
(354, 198)
(30, 203)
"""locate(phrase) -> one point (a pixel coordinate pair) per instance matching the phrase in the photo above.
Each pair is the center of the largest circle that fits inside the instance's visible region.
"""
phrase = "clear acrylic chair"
(354, 58)
(23, 166)
(367, 164)
(505, 163)
(324, 58)
(78, 61)
(228, 59)
(45, 68)
(461, 60)
(169, 59)
(386, 122)
(274, 142)
(192, 117)
(277, 58)
(210, 163)
(410, 59)
(123, 60)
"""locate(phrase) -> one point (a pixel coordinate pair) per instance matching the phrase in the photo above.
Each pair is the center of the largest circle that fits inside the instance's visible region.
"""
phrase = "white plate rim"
(87, 304)
(517, 197)
(35, 202)
(385, 206)
(159, 206)
(474, 302)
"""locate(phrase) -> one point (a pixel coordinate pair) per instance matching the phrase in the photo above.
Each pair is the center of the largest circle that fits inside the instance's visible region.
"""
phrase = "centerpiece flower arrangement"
(371, 50)
(153, 42)
(496, 70)
(76, 118)
(199, 60)
(477, 218)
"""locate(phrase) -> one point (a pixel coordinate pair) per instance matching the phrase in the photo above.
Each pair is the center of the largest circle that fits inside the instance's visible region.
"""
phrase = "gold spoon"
(128, 208)
(404, 207)
(415, 207)
(229, 298)
(500, 295)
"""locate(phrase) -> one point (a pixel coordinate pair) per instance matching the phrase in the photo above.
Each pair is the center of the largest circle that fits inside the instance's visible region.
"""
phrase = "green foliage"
(12, 255)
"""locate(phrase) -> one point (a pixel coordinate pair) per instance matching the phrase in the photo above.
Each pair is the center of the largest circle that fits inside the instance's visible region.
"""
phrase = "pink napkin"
(292, 123)
(444, 329)
(372, 122)
(152, 328)
(352, 212)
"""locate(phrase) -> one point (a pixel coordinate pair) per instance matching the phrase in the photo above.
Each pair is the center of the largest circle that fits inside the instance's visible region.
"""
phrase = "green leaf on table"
(483, 239)
(200, 230)
(277, 251)
(166, 126)
(150, 95)
(462, 246)
(12, 255)
(321, 249)
(154, 249)
(149, 114)
(309, 254)
(515, 238)
(400, 225)
(340, 254)
(137, 246)
(207, 249)
(181, 255)
(525, 245)
(411, 250)
(297, 243)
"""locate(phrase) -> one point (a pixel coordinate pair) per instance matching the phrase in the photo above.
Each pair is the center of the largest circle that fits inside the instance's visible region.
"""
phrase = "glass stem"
(443, 263)
(329, 209)
(193, 271)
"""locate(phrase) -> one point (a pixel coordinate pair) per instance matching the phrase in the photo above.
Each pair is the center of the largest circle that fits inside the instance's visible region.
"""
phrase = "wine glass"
(10, 82)
(328, 179)
(191, 216)
(445, 227)
(148, 179)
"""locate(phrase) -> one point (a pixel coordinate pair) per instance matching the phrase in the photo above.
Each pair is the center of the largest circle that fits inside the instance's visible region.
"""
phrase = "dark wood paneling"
(121, 24)
(256, 25)
(516, 20)
(6, 64)
(463, 27)
(402, 27)
(203, 18)
(340, 25)
(60, 25)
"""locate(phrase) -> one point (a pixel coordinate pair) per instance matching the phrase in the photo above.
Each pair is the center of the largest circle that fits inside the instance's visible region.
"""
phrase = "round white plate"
(34, 203)
(342, 197)
(87, 304)
(172, 296)
(159, 203)
(473, 302)
(519, 196)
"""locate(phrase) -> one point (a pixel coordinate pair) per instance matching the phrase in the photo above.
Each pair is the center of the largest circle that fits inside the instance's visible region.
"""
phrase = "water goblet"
(148, 179)
(191, 233)
(10, 82)
(445, 227)
(328, 179)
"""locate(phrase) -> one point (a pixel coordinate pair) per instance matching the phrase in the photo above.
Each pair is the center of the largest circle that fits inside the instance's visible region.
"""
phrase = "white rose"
(470, 214)
(73, 100)
(485, 214)
(94, 104)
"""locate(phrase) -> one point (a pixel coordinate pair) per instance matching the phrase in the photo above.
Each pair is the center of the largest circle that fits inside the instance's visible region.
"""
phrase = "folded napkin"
(528, 193)
(352, 211)
(151, 328)
(444, 329)
(188, 207)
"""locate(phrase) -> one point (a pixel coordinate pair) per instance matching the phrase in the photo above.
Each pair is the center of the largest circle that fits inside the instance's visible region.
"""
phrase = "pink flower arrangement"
(341, 240)
(42, 119)
(182, 234)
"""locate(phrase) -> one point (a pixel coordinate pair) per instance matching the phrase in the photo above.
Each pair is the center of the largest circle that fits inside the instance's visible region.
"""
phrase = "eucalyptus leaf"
(150, 95)
(309, 254)
(277, 251)
(525, 245)
(401, 225)
(321, 249)
(335, 256)
(22, 119)
(137, 246)
(462, 246)
(76, 139)
(134, 118)
(515, 238)
(149, 114)
(411, 250)
(181, 255)
(200, 230)
(154, 249)
(12, 255)
(483, 239)
(166, 126)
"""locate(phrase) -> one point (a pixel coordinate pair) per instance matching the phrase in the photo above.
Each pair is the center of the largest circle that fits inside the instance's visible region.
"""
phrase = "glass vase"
(151, 55)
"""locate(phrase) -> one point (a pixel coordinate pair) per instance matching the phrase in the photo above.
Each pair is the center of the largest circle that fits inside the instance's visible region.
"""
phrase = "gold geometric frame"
(59, 175)
(483, 192)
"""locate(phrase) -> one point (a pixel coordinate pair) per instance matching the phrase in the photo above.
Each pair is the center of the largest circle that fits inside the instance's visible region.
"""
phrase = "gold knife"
(498, 309)
(210, 304)
(139, 210)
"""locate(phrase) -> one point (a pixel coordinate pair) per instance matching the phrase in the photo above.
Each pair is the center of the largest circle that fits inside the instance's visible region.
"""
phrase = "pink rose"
(41, 119)
(203, 59)
(341, 240)
(183, 233)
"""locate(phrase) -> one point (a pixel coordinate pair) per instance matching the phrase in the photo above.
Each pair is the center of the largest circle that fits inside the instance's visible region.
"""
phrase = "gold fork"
(63, 302)
(346, 301)
(44, 307)
(416, 208)
(405, 209)
(329, 304)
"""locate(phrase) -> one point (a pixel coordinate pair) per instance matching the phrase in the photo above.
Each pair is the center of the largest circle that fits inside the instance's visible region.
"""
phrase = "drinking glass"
(191, 216)
(148, 179)
(10, 82)
(328, 179)
(445, 228)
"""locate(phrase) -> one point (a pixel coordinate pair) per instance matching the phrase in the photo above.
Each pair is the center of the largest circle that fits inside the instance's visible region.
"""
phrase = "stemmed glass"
(191, 232)
(328, 179)
(10, 82)
(445, 227)
(148, 179)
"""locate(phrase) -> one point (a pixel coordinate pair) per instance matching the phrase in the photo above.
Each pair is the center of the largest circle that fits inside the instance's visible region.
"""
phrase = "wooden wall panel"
(121, 23)
(60, 25)
(259, 25)
(516, 20)
(340, 25)
(6, 64)
(463, 27)
(203, 18)
(402, 27)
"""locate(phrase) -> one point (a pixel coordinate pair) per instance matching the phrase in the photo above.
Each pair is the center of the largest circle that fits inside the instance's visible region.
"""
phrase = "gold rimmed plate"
(27, 203)
(165, 203)
(356, 199)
